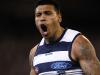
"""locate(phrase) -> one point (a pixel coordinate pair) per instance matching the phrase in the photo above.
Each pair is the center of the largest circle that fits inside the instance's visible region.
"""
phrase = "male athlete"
(61, 51)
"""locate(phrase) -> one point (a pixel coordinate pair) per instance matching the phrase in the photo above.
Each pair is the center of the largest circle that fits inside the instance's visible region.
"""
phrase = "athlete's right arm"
(31, 57)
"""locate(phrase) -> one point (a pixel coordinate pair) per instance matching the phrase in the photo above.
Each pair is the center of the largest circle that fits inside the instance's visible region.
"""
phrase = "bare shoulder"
(32, 53)
(83, 48)
(84, 52)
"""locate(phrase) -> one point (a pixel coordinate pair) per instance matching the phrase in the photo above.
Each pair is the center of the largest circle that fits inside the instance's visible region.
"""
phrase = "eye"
(48, 13)
(37, 14)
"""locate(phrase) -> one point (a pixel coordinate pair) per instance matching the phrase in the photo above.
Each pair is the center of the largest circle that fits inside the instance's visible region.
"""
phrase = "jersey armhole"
(35, 54)
(71, 49)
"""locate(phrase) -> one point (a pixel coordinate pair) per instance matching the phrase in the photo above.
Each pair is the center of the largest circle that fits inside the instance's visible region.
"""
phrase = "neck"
(57, 35)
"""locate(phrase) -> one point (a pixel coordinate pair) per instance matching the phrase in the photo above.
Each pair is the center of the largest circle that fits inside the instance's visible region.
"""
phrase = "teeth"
(44, 28)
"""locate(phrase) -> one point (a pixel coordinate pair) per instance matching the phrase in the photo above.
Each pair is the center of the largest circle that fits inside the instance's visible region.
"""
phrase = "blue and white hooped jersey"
(55, 59)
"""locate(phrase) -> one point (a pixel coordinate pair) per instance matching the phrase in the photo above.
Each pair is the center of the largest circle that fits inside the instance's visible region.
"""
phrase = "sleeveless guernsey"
(55, 59)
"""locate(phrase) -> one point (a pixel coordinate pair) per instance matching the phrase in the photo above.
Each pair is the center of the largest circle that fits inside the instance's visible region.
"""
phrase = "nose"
(43, 17)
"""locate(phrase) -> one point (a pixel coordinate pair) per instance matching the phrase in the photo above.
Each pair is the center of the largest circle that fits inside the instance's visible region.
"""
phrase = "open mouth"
(44, 28)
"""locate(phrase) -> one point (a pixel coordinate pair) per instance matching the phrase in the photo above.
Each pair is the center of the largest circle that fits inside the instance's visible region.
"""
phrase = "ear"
(60, 17)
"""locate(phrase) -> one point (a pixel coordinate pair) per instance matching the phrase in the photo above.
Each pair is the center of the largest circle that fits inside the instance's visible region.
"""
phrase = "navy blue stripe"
(60, 46)
(56, 66)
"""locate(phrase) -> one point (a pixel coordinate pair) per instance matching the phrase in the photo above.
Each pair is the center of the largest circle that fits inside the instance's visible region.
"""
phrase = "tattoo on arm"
(87, 58)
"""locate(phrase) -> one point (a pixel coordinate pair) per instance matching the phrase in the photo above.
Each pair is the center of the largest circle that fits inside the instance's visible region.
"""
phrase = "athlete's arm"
(84, 52)
(31, 57)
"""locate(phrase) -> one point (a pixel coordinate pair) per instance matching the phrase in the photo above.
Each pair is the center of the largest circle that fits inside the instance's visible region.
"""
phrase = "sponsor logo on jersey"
(60, 65)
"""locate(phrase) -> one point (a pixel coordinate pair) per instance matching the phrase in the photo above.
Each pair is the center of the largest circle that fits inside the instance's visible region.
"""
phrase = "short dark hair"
(55, 3)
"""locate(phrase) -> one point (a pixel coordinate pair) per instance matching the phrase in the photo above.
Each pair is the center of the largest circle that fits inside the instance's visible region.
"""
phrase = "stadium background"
(18, 33)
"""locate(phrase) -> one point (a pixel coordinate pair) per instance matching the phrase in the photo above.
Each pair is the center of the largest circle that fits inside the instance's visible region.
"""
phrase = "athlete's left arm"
(86, 56)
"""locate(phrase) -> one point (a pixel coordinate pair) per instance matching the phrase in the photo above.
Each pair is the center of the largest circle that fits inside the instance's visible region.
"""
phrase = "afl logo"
(60, 65)
(36, 69)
